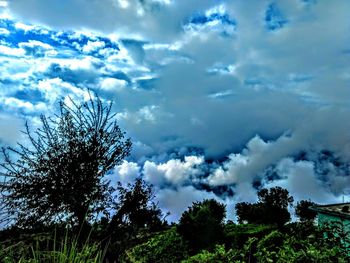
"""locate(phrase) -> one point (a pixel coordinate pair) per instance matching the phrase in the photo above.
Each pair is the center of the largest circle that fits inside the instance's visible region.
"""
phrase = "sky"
(220, 98)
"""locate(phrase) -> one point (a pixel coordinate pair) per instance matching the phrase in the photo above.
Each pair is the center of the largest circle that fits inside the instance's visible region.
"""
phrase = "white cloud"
(12, 104)
(4, 31)
(92, 46)
(177, 201)
(126, 173)
(24, 27)
(174, 171)
(112, 84)
(255, 158)
(300, 180)
(9, 51)
(37, 48)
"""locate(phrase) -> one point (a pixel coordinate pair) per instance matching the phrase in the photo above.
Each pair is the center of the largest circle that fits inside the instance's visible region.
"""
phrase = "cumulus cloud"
(300, 180)
(178, 200)
(37, 49)
(256, 157)
(125, 173)
(174, 171)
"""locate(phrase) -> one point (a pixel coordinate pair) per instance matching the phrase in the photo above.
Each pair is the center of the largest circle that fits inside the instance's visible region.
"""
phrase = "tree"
(135, 208)
(136, 216)
(58, 174)
(247, 212)
(202, 224)
(271, 208)
(303, 211)
(275, 197)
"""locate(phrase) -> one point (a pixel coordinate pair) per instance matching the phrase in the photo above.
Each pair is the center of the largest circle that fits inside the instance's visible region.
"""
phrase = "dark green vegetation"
(59, 207)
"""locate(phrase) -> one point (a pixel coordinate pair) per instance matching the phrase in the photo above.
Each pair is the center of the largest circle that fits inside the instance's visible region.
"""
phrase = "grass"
(67, 250)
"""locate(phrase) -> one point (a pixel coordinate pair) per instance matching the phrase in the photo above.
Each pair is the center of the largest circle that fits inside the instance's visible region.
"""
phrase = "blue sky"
(220, 98)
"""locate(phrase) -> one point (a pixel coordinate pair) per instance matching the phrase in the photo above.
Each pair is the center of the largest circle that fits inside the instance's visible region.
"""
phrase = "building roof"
(339, 210)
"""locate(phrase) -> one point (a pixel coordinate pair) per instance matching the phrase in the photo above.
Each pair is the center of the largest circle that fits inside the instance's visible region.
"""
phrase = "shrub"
(167, 246)
(202, 224)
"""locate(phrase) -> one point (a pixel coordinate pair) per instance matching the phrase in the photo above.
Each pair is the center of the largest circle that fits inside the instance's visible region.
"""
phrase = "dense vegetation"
(59, 208)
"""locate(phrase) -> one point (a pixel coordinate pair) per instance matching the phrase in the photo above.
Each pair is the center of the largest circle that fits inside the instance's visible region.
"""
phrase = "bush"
(237, 235)
(202, 224)
(219, 255)
(167, 246)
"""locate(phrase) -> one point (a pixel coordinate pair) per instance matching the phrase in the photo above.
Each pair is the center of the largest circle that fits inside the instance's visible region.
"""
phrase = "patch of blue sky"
(258, 83)
(223, 18)
(61, 40)
(76, 77)
(300, 78)
(274, 18)
(118, 75)
(18, 35)
(309, 1)
(147, 84)
(216, 19)
(32, 95)
(220, 69)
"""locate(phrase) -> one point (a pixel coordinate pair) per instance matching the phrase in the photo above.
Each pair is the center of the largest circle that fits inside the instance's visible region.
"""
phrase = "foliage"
(219, 255)
(135, 207)
(303, 211)
(67, 250)
(337, 232)
(237, 235)
(58, 173)
(302, 242)
(167, 246)
(136, 217)
(202, 224)
(271, 208)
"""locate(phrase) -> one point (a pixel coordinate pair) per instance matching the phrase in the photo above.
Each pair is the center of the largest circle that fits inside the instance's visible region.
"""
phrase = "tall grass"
(66, 250)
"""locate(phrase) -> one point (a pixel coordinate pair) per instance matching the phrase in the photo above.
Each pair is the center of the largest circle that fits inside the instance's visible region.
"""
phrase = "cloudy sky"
(220, 98)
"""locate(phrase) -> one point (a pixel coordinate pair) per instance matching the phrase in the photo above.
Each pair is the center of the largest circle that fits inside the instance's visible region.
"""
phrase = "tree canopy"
(271, 208)
(202, 224)
(303, 211)
(58, 174)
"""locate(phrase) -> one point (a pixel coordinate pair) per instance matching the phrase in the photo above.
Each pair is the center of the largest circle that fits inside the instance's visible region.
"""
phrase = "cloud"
(175, 172)
(160, 19)
(255, 158)
(37, 49)
(300, 180)
(177, 201)
(10, 129)
(243, 86)
(125, 173)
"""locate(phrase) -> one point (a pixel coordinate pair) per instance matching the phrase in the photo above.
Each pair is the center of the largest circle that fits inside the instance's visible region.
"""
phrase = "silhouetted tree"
(271, 208)
(135, 208)
(58, 174)
(136, 217)
(303, 211)
(202, 224)
(247, 212)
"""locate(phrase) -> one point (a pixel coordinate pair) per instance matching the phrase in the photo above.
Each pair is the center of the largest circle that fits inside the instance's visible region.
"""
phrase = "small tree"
(135, 208)
(272, 207)
(202, 224)
(136, 216)
(59, 172)
(303, 211)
